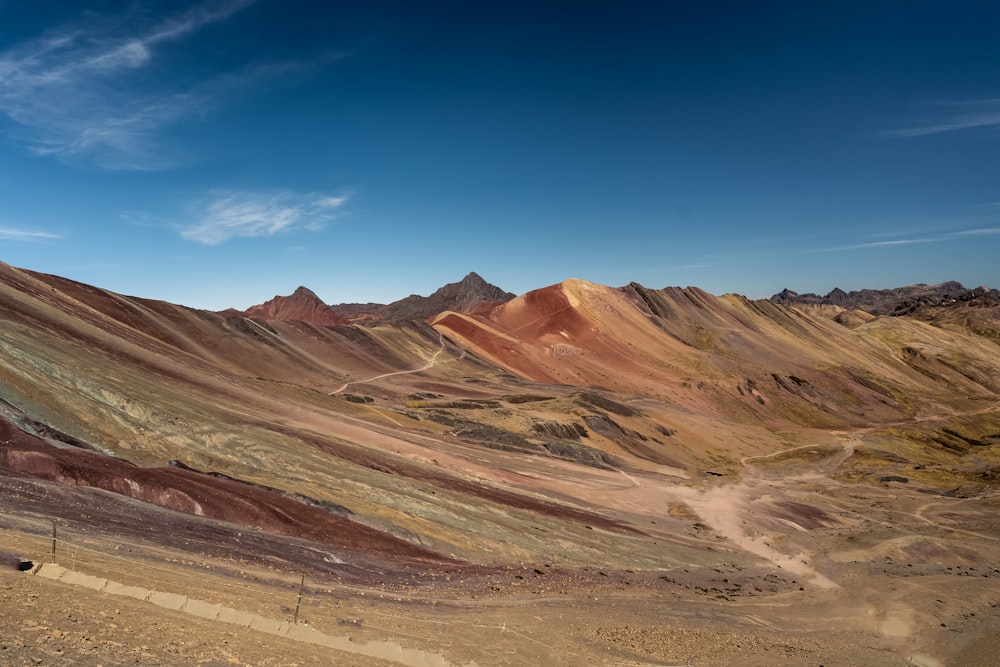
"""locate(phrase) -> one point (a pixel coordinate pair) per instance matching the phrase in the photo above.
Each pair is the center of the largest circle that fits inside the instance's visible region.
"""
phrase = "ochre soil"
(896, 595)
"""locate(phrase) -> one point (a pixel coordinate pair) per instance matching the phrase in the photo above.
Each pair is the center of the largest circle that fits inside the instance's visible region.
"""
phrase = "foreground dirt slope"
(885, 611)
(741, 482)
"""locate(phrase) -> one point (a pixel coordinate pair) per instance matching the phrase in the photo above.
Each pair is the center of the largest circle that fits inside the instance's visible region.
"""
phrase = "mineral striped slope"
(730, 357)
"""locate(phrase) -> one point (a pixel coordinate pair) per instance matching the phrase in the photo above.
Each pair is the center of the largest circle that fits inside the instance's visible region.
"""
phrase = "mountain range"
(469, 294)
(636, 432)
(896, 301)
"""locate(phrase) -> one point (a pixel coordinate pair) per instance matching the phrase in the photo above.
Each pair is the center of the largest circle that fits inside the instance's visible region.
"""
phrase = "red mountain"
(302, 305)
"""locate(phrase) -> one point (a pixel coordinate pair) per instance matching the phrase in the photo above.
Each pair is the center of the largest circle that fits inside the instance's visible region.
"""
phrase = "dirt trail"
(729, 509)
(430, 364)
(919, 514)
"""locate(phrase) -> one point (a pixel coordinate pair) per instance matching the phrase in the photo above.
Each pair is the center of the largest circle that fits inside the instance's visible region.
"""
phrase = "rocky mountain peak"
(469, 294)
(471, 291)
(837, 296)
(302, 305)
(302, 292)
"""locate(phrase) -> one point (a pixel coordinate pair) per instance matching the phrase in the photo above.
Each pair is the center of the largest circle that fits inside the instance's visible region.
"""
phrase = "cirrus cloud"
(980, 231)
(225, 215)
(946, 117)
(83, 91)
(11, 234)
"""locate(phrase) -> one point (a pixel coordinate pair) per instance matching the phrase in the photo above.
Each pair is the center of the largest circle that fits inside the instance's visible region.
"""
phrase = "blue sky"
(215, 153)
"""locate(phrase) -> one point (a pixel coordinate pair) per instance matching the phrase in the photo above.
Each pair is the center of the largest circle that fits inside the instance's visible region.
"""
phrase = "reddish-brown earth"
(302, 305)
(580, 475)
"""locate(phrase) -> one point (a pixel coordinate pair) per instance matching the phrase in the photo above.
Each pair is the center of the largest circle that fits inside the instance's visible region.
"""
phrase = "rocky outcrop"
(980, 297)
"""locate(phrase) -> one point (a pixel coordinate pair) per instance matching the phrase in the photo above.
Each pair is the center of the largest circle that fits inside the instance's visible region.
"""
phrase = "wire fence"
(461, 629)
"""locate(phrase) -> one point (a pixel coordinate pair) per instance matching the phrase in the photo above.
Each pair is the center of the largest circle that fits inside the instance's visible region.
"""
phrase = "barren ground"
(870, 576)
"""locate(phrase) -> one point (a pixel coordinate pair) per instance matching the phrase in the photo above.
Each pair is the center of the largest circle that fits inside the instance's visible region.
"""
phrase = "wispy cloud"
(9, 234)
(943, 237)
(85, 91)
(886, 244)
(227, 215)
(983, 231)
(877, 244)
(954, 117)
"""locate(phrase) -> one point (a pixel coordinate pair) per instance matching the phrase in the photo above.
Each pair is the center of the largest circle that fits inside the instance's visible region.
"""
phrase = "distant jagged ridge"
(468, 295)
(896, 301)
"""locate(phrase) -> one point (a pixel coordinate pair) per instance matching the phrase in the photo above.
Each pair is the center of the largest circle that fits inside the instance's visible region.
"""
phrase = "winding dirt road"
(430, 364)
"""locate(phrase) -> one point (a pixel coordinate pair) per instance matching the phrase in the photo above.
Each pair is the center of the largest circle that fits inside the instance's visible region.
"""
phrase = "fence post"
(298, 601)
(53, 540)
